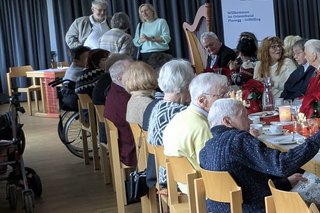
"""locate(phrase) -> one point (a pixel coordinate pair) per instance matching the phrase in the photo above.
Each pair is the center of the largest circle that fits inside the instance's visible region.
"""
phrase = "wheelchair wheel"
(62, 122)
(34, 181)
(12, 196)
(28, 202)
(73, 137)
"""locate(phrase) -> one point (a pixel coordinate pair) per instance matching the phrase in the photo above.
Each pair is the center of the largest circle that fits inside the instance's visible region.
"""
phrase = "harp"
(202, 23)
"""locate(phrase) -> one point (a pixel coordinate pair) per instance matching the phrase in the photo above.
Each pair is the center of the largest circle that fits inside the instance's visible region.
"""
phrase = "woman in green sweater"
(152, 33)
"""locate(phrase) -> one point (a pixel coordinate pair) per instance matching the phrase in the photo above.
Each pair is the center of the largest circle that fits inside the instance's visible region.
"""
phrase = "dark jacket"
(297, 83)
(115, 110)
(251, 163)
(224, 56)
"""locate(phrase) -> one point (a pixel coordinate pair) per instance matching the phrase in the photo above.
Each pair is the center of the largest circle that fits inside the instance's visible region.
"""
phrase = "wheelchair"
(12, 168)
(69, 126)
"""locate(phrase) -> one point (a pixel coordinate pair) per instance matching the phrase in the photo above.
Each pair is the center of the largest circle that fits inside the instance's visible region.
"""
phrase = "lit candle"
(285, 113)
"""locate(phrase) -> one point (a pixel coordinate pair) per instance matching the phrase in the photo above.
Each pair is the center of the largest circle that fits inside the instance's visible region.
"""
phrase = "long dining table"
(312, 166)
(48, 94)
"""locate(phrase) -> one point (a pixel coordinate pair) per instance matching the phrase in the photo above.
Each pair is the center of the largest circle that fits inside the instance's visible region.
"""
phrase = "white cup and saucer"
(275, 129)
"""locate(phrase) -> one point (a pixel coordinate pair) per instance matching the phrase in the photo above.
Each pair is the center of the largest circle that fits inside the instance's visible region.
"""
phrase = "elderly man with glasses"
(87, 30)
(187, 132)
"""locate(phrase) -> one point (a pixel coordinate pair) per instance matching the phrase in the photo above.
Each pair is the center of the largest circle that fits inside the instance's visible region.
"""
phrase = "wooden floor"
(68, 185)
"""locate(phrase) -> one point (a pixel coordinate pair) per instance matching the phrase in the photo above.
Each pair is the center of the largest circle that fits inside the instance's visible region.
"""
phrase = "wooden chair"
(179, 170)
(88, 126)
(15, 72)
(283, 201)
(153, 191)
(117, 166)
(202, 23)
(160, 160)
(104, 150)
(147, 202)
(219, 186)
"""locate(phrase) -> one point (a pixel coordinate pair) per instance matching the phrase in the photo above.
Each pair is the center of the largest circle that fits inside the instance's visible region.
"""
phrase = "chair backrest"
(289, 201)
(85, 103)
(202, 23)
(160, 158)
(99, 111)
(112, 139)
(139, 142)
(180, 170)
(221, 187)
(15, 72)
(150, 148)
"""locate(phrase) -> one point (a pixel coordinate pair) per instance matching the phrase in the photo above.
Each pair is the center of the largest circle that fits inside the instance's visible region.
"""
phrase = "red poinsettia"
(252, 93)
(311, 101)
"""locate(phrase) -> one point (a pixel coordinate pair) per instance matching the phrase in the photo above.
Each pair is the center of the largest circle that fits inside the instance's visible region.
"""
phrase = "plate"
(285, 142)
(284, 123)
(265, 114)
(267, 132)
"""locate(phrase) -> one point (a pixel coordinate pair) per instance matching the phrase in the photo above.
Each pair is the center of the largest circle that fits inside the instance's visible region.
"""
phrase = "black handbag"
(137, 187)
(138, 56)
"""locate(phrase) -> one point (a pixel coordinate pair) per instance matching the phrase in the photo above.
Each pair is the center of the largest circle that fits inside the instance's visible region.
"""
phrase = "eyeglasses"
(275, 46)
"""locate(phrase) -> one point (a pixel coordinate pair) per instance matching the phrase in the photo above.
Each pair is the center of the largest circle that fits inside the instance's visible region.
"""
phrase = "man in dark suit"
(297, 84)
(219, 54)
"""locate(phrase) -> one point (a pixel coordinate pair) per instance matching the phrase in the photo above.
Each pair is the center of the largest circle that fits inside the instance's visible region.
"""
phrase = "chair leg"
(85, 147)
(36, 100)
(29, 103)
(96, 162)
(105, 164)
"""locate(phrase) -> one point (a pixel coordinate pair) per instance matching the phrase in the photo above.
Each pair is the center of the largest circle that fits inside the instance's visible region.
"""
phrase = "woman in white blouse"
(272, 63)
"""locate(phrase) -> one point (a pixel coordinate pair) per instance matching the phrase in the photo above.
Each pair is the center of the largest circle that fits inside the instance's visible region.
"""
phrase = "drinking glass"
(59, 65)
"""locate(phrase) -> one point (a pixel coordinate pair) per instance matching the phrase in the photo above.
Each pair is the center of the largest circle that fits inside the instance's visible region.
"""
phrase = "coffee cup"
(276, 128)
(278, 101)
(257, 127)
(255, 119)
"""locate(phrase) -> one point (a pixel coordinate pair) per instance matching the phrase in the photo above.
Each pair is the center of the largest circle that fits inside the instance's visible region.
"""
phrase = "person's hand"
(233, 65)
(254, 132)
(144, 38)
(295, 178)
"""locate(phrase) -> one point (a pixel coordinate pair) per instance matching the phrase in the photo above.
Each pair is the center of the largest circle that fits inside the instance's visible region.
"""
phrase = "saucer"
(265, 114)
(283, 123)
(269, 133)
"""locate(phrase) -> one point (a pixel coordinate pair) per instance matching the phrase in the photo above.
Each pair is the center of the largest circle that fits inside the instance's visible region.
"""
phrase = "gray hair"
(221, 108)
(203, 83)
(206, 35)
(113, 58)
(120, 20)
(117, 70)
(299, 44)
(312, 46)
(99, 2)
(175, 76)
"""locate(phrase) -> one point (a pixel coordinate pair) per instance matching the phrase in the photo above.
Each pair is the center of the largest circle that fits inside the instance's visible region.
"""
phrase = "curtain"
(24, 37)
(65, 12)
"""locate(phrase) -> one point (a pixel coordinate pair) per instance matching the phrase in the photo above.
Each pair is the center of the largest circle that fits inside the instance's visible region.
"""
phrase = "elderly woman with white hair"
(312, 95)
(174, 79)
(248, 160)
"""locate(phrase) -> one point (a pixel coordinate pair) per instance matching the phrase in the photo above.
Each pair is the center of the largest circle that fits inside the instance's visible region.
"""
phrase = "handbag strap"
(140, 25)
